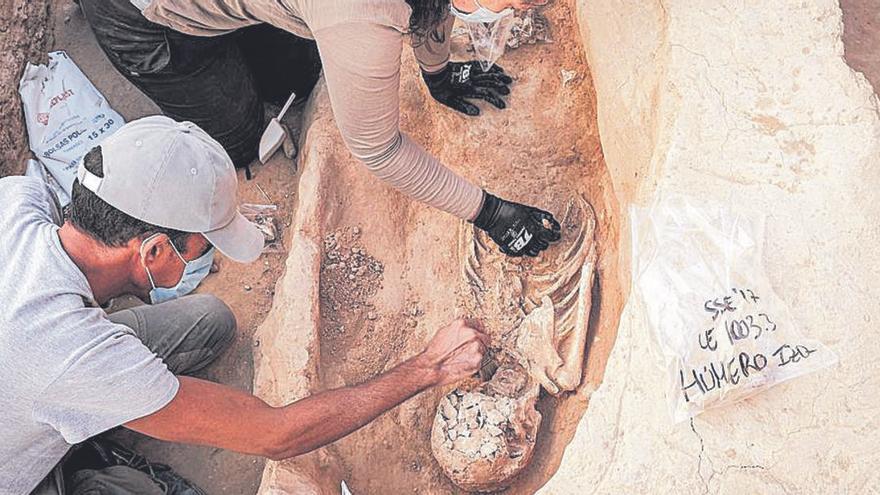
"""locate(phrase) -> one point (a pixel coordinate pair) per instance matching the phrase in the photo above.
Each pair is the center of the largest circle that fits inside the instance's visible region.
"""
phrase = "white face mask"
(482, 14)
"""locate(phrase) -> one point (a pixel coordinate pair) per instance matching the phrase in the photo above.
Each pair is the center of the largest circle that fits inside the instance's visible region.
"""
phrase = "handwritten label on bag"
(737, 346)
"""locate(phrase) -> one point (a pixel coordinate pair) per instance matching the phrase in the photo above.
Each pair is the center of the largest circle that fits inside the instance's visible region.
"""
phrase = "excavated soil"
(389, 271)
(544, 148)
(25, 32)
(861, 37)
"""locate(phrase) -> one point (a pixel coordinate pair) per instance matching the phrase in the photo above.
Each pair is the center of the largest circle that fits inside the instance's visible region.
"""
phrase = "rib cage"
(513, 297)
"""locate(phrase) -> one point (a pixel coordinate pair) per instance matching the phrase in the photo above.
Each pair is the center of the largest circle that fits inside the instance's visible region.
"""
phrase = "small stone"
(504, 407)
(487, 449)
(494, 431)
(447, 410)
(248, 288)
(469, 446)
(473, 423)
(351, 276)
(495, 418)
(356, 231)
(470, 400)
(371, 315)
(290, 149)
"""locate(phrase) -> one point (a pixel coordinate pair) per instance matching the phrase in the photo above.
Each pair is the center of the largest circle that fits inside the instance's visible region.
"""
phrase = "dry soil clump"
(350, 278)
(24, 37)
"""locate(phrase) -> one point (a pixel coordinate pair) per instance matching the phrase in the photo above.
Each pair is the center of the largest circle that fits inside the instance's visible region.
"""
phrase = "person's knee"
(113, 480)
(217, 321)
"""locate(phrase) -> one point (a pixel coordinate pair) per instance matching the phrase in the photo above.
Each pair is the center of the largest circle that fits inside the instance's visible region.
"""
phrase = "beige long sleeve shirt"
(360, 42)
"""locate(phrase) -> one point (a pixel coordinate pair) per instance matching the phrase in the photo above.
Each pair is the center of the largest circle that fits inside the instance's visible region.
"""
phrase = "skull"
(484, 437)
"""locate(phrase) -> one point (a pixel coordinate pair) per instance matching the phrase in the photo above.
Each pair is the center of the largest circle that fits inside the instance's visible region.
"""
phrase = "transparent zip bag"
(721, 330)
(265, 217)
(489, 40)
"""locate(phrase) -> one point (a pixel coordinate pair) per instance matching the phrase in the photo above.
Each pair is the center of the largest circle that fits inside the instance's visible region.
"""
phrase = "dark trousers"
(218, 83)
(187, 333)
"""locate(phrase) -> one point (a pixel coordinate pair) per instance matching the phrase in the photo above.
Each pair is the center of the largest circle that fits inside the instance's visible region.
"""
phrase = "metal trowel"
(275, 133)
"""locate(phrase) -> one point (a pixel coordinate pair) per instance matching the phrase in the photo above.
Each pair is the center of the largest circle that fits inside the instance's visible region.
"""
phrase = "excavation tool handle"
(286, 106)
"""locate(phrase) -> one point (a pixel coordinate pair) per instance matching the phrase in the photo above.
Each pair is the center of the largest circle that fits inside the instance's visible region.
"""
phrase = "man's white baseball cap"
(174, 175)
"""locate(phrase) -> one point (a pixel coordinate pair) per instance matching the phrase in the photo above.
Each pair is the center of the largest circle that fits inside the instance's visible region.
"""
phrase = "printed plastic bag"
(37, 170)
(723, 332)
(65, 117)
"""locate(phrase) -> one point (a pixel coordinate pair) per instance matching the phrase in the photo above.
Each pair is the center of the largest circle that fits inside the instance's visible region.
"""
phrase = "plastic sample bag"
(528, 28)
(489, 39)
(265, 218)
(65, 117)
(723, 332)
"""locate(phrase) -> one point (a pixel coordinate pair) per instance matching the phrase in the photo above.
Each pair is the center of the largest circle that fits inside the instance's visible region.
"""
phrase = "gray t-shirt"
(66, 372)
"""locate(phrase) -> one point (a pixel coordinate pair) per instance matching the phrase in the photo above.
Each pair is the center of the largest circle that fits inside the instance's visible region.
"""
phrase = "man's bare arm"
(207, 413)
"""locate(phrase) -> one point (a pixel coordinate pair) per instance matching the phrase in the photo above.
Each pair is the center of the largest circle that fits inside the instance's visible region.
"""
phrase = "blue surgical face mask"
(482, 14)
(193, 273)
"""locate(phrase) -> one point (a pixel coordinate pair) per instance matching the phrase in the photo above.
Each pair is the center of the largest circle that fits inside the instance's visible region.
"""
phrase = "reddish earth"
(34, 26)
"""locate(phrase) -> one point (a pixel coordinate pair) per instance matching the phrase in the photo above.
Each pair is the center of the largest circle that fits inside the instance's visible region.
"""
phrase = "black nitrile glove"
(460, 80)
(517, 229)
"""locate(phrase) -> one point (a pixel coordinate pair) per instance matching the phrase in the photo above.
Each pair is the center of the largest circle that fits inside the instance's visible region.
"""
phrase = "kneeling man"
(149, 207)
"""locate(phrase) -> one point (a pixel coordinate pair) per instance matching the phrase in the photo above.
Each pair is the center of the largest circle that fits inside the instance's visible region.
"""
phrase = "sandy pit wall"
(372, 274)
(753, 101)
(24, 36)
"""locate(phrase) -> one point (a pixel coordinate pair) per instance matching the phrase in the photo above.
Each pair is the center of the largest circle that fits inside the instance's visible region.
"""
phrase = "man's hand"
(206, 413)
(517, 229)
(455, 352)
(460, 80)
